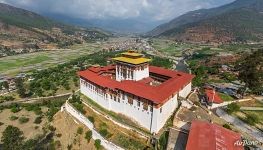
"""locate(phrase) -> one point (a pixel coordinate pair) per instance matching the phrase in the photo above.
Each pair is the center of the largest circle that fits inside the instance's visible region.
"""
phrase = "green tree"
(97, 144)
(252, 119)
(88, 135)
(6, 85)
(250, 69)
(233, 107)
(12, 138)
(80, 130)
(20, 87)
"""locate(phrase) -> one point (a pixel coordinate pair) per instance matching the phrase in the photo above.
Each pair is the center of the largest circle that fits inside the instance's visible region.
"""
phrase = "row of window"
(117, 96)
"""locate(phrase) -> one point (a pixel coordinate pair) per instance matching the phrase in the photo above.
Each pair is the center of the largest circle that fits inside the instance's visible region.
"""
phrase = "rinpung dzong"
(146, 94)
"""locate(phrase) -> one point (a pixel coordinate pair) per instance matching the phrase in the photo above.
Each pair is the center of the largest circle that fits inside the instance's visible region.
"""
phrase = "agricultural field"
(13, 65)
(169, 47)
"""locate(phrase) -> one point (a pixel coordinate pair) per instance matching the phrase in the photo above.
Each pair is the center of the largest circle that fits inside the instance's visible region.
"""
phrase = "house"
(208, 136)
(212, 97)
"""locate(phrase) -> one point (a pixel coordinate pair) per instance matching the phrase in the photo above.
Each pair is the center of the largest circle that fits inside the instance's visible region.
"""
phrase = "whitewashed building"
(146, 94)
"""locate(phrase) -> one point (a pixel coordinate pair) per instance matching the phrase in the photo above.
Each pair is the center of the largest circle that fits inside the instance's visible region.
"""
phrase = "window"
(138, 103)
(161, 110)
(145, 106)
(130, 100)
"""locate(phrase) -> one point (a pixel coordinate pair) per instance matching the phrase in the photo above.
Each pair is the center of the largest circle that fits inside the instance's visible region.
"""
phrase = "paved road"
(257, 134)
(252, 108)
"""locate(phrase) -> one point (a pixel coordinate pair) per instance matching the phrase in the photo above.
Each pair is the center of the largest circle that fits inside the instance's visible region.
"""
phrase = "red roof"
(213, 96)
(146, 80)
(156, 94)
(208, 136)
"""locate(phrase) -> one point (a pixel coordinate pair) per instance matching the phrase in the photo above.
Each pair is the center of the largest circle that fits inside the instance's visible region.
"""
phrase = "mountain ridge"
(20, 29)
(185, 28)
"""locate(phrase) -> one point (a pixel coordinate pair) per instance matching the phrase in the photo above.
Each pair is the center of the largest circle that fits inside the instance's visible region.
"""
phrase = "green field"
(225, 97)
(12, 65)
(169, 47)
(21, 61)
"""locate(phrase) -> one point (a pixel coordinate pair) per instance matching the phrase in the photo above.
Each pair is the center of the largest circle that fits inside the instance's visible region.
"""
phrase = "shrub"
(88, 135)
(7, 98)
(51, 128)
(233, 107)
(13, 118)
(23, 120)
(37, 110)
(80, 130)
(196, 103)
(227, 126)
(38, 120)
(97, 144)
(163, 140)
(103, 132)
(15, 109)
(1, 123)
(252, 119)
(91, 119)
(58, 135)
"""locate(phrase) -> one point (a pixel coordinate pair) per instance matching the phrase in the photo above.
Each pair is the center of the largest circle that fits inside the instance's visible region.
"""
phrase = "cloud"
(153, 10)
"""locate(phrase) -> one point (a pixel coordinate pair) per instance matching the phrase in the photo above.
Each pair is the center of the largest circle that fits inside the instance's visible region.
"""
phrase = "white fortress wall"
(162, 114)
(133, 111)
(90, 92)
(186, 90)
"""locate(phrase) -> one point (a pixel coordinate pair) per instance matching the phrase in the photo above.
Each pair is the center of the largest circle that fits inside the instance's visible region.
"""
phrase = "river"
(181, 66)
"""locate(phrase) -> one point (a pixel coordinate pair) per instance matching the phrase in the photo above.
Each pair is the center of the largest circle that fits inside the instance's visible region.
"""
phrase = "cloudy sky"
(152, 10)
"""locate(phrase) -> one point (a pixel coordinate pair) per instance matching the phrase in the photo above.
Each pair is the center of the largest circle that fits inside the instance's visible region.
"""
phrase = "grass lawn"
(225, 97)
(256, 113)
(251, 103)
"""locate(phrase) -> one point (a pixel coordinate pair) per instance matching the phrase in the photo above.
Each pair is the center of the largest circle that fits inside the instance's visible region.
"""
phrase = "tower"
(131, 66)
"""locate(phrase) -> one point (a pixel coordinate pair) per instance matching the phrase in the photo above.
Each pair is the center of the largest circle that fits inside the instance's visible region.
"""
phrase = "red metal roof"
(156, 94)
(207, 136)
(213, 96)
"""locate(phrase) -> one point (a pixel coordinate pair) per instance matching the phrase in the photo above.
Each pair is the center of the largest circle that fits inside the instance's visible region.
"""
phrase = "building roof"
(134, 61)
(208, 136)
(132, 57)
(132, 53)
(156, 94)
(213, 96)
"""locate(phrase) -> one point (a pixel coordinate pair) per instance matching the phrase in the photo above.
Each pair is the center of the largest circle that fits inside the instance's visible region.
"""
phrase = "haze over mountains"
(25, 29)
(239, 21)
